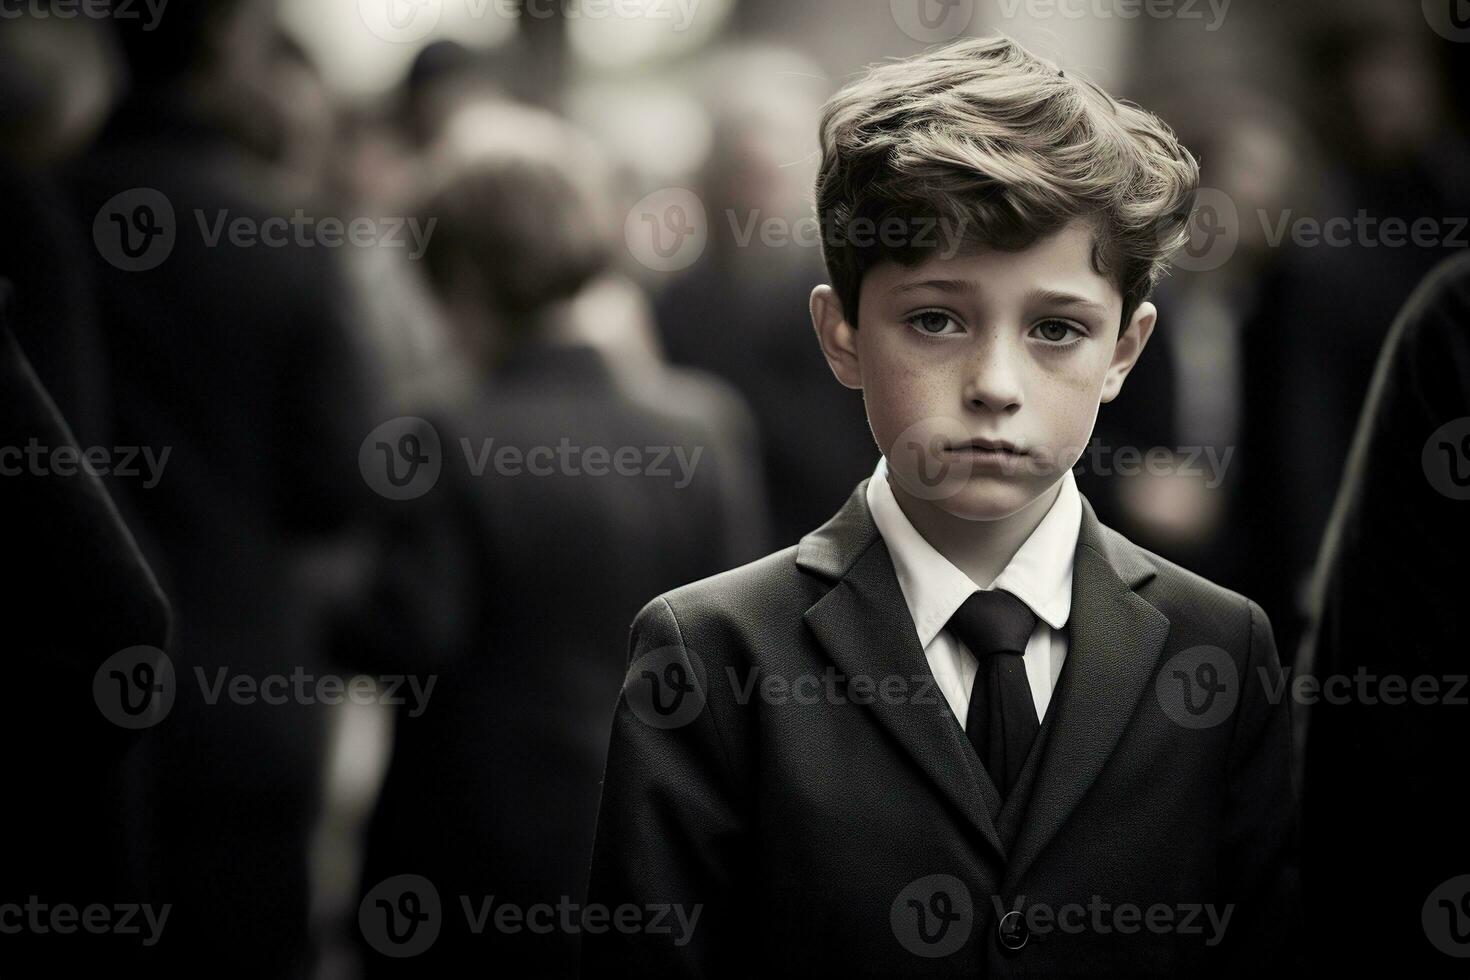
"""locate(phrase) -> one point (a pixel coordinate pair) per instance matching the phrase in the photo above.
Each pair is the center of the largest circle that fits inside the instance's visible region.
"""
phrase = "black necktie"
(1001, 723)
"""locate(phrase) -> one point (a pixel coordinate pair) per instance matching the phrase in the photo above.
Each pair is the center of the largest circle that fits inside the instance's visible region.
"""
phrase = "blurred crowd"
(329, 423)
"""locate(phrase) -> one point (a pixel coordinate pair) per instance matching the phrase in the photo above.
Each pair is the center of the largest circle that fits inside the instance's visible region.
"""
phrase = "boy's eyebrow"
(943, 285)
(1053, 297)
(1057, 297)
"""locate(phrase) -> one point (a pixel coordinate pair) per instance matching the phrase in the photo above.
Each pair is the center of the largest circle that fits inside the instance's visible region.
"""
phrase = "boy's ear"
(1129, 346)
(837, 337)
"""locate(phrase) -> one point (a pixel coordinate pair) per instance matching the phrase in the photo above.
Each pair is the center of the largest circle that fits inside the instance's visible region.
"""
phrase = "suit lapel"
(864, 625)
(1115, 639)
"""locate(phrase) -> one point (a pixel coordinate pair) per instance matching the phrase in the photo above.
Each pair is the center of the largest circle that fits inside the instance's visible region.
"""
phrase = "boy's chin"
(984, 499)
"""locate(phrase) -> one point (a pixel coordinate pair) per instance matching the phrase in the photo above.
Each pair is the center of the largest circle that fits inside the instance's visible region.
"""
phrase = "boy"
(962, 729)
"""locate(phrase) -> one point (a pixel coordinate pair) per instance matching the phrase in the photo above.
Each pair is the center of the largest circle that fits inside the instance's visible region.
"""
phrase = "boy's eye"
(933, 323)
(1056, 331)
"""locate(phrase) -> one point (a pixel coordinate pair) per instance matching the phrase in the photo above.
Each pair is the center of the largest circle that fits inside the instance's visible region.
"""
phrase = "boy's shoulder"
(1186, 598)
(760, 591)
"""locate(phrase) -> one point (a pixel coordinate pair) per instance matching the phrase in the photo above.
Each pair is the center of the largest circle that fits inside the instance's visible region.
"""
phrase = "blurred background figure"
(492, 792)
(1389, 587)
(80, 590)
(240, 360)
(741, 309)
(56, 88)
(84, 597)
(1377, 98)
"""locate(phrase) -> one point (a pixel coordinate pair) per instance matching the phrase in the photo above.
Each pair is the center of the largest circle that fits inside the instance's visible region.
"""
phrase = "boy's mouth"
(987, 447)
(988, 455)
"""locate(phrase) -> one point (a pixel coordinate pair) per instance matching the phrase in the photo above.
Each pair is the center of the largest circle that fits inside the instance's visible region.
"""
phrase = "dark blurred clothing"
(238, 361)
(1383, 783)
(47, 256)
(78, 592)
(758, 336)
(1309, 355)
(492, 791)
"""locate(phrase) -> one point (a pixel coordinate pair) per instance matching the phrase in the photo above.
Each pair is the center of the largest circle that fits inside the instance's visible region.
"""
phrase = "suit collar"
(1115, 638)
(832, 549)
(1039, 573)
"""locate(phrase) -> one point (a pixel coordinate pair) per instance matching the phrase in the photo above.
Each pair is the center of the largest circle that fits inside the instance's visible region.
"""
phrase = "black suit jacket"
(493, 785)
(809, 831)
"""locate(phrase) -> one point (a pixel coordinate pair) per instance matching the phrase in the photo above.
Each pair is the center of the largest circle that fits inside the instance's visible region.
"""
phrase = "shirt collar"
(1040, 573)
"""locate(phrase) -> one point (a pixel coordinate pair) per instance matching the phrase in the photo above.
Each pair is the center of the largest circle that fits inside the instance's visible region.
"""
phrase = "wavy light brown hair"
(1001, 148)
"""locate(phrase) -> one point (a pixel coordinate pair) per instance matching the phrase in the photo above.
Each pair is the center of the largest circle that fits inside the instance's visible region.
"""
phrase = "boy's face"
(982, 373)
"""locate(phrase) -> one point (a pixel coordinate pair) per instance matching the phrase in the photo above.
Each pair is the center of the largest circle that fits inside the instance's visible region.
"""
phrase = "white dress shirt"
(1040, 575)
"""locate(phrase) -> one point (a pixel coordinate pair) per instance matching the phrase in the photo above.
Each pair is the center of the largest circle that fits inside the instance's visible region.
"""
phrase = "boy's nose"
(993, 379)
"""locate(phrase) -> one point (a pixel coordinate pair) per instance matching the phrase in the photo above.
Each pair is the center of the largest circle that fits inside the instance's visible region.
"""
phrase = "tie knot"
(993, 622)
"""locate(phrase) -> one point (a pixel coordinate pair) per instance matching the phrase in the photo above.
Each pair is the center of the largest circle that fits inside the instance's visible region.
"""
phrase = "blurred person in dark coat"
(492, 791)
(1394, 157)
(740, 310)
(55, 90)
(1385, 857)
(80, 594)
(235, 359)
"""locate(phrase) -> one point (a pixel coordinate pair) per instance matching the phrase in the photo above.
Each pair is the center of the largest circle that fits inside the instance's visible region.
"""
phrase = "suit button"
(1012, 930)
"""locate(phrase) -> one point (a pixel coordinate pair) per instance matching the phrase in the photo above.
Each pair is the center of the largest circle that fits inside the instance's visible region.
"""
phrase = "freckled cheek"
(1067, 402)
(901, 398)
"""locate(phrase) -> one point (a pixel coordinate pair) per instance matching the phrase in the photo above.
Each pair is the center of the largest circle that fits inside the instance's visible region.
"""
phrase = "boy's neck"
(980, 549)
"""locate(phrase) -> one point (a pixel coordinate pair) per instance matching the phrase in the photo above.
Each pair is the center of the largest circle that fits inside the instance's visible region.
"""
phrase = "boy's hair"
(983, 141)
